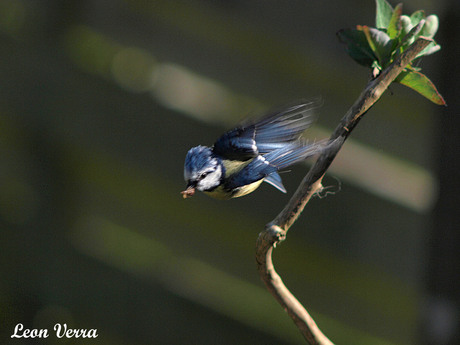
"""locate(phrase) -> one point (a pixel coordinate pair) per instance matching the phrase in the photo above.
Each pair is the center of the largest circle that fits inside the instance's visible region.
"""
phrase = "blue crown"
(197, 158)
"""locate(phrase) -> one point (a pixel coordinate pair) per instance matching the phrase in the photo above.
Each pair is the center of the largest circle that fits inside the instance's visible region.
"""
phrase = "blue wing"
(266, 167)
(271, 132)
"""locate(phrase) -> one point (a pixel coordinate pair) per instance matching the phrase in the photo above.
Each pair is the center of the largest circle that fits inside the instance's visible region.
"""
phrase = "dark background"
(99, 103)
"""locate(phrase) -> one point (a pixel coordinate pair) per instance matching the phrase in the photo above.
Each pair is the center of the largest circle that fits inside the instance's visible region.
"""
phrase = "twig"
(276, 231)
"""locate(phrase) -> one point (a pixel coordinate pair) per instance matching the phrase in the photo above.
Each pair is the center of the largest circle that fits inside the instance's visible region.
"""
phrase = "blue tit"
(252, 153)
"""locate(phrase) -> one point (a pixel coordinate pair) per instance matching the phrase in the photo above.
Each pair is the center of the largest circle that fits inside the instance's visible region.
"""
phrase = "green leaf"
(383, 14)
(420, 83)
(357, 46)
(394, 27)
(433, 47)
(379, 42)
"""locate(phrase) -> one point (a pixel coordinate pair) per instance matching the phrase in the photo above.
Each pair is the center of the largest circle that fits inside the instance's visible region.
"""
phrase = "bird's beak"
(188, 193)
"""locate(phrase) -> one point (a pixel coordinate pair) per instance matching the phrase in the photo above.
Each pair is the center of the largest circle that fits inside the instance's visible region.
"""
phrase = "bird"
(251, 153)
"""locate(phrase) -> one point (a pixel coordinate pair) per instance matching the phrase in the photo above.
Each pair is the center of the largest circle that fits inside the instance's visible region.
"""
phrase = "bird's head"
(202, 171)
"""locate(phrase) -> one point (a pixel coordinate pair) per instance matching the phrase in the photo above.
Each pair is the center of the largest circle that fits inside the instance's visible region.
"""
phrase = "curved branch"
(276, 231)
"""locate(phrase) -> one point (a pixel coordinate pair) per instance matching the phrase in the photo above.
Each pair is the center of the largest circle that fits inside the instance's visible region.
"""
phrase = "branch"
(276, 231)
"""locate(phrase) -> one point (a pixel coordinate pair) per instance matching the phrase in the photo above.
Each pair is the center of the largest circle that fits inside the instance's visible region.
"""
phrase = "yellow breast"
(247, 189)
(221, 194)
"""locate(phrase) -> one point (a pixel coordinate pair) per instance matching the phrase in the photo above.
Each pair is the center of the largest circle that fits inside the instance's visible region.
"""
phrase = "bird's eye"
(203, 175)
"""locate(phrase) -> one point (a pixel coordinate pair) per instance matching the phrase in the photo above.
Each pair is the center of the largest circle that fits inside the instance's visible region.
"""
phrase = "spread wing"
(266, 167)
(271, 132)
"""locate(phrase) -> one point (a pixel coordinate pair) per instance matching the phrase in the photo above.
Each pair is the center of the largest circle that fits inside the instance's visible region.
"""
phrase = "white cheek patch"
(212, 180)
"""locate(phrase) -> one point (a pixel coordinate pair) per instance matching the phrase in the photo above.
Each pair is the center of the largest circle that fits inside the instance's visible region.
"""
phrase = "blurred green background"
(101, 100)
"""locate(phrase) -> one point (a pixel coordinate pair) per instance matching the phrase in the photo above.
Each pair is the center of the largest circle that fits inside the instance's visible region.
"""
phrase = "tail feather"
(275, 180)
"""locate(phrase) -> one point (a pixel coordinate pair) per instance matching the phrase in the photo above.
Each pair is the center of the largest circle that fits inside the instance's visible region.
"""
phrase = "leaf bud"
(431, 26)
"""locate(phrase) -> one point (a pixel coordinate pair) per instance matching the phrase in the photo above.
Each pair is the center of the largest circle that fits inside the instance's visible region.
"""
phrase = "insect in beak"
(188, 193)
